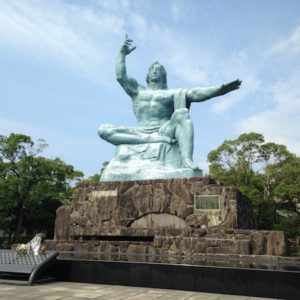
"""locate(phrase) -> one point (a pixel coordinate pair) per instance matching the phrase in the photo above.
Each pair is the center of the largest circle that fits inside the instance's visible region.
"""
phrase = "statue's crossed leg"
(179, 129)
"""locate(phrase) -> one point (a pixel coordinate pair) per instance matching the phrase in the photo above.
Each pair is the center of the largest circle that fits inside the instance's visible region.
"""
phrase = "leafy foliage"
(31, 186)
(267, 173)
(96, 177)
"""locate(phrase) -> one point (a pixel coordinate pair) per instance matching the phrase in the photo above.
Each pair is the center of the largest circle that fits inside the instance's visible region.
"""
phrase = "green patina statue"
(161, 146)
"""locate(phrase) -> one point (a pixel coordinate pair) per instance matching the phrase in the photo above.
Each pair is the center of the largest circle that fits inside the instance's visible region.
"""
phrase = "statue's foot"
(188, 163)
(168, 140)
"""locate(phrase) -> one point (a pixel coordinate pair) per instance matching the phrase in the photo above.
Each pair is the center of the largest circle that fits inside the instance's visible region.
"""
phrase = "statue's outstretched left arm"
(201, 94)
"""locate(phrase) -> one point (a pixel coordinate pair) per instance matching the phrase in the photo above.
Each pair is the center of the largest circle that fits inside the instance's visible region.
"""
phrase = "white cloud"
(280, 121)
(8, 126)
(287, 46)
(238, 66)
(279, 124)
(249, 86)
(185, 61)
(178, 10)
(187, 69)
(83, 37)
(113, 5)
(72, 34)
(175, 11)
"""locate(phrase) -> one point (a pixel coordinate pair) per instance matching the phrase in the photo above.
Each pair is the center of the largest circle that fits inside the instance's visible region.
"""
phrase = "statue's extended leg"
(184, 133)
(118, 135)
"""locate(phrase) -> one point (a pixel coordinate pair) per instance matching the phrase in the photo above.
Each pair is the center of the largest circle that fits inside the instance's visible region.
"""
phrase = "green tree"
(96, 177)
(267, 173)
(286, 190)
(31, 186)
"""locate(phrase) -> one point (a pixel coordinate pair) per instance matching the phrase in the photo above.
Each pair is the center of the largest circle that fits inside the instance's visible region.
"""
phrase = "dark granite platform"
(282, 284)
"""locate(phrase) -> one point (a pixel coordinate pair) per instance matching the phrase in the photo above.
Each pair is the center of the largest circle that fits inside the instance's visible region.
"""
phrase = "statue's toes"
(188, 163)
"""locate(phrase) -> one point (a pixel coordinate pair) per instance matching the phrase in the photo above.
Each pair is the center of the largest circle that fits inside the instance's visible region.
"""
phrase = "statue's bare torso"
(153, 107)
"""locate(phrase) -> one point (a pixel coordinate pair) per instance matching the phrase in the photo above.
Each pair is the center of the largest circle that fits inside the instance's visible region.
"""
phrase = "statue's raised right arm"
(202, 94)
(129, 84)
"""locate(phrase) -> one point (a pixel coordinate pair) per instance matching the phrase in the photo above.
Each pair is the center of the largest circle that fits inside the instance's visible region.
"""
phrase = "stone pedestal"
(166, 216)
(146, 161)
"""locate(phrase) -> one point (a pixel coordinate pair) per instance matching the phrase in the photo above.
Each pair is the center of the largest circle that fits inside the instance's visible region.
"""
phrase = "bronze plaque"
(207, 202)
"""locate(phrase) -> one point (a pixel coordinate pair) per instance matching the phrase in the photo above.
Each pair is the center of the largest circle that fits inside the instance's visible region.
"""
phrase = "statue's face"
(156, 73)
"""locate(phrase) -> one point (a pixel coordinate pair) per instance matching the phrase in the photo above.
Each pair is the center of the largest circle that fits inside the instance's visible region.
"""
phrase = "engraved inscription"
(110, 193)
(207, 202)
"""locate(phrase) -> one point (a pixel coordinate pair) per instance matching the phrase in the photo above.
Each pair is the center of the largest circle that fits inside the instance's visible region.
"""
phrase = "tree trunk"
(19, 223)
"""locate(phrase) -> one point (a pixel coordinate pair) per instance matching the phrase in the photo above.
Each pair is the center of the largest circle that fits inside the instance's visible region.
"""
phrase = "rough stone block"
(277, 243)
(258, 242)
(242, 247)
(199, 247)
(62, 223)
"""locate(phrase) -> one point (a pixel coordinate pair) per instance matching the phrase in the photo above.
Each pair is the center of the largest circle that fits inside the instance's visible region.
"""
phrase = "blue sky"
(57, 60)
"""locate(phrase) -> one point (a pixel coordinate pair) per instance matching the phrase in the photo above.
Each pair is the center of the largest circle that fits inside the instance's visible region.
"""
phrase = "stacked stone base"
(161, 245)
(155, 219)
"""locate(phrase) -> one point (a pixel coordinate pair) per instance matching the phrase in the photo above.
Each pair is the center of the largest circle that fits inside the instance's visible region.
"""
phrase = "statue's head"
(157, 72)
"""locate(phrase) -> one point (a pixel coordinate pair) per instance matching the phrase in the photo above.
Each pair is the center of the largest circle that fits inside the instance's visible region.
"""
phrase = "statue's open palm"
(230, 86)
(127, 46)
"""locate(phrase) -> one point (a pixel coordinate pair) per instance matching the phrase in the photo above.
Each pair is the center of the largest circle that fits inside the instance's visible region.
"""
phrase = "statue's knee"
(181, 115)
(188, 123)
(104, 131)
(101, 131)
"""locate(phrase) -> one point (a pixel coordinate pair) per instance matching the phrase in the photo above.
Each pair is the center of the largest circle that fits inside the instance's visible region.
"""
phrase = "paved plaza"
(72, 290)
